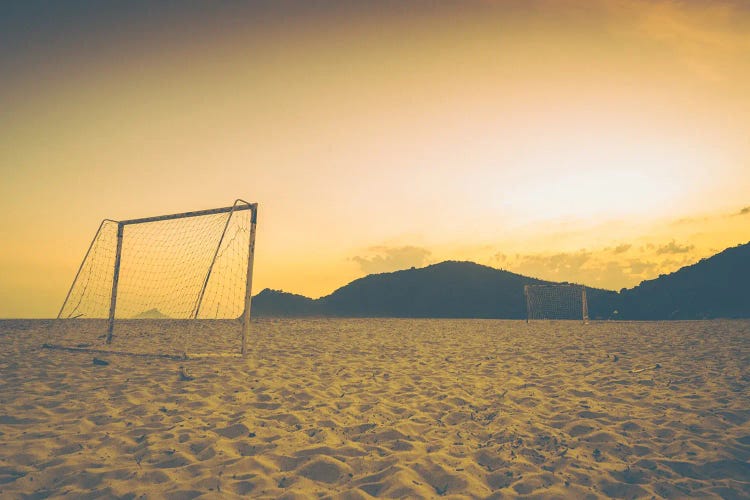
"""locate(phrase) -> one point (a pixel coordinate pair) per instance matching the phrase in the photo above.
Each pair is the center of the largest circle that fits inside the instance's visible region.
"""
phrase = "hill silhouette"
(712, 288)
(716, 287)
(277, 303)
(446, 290)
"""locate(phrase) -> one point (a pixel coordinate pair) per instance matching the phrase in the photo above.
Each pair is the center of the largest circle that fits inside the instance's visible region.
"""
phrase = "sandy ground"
(392, 408)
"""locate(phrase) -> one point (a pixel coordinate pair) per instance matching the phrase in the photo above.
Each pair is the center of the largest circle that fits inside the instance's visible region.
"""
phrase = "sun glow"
(606, 171)
(598, 194)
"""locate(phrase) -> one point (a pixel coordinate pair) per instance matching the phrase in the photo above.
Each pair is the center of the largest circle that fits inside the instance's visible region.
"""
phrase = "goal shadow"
(154, 338)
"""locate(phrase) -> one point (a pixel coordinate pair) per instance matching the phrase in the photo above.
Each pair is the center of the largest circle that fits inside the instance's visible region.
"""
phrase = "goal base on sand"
(173, 357)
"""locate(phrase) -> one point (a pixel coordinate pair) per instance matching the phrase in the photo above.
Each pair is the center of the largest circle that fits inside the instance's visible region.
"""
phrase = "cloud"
(673, 248)
(623, 248)
(556, 267)
(387, 259)
(500, 258)
(600, 269)
(559, 262)
(586, 267)
(712, 218)
(640, 266)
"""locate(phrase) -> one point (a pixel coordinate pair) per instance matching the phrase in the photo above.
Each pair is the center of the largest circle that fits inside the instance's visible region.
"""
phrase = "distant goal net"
(556, 302)
(171, 285)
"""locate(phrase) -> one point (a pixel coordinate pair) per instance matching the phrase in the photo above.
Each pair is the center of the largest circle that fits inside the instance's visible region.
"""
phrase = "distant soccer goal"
(556, 301)
(171, 285)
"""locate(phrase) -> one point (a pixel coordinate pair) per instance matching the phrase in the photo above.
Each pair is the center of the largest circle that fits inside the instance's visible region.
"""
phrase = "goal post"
(559, 301)
(148, 284)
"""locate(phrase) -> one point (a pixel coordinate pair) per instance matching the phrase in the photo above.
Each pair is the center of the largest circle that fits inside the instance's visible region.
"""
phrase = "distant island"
(716, 287)
(151, 314)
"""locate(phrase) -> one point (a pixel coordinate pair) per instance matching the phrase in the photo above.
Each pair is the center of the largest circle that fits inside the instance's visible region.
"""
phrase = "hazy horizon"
(595, 142)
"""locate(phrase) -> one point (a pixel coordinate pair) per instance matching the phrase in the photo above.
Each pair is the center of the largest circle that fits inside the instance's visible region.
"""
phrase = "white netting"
(556, 302)
(181, 284)
(90, 295)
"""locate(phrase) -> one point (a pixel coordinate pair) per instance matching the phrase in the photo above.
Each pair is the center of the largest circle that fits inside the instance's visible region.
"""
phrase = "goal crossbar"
(234, 208)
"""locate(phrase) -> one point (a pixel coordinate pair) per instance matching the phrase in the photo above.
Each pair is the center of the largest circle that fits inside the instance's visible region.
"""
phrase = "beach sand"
(353, 408)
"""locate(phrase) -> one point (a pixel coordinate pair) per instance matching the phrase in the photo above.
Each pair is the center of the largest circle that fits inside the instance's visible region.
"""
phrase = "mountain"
(446, 290)
(151, 314)
(716, 287)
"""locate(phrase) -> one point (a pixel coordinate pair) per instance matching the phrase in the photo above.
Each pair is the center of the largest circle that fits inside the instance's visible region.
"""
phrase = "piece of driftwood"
(639, 370)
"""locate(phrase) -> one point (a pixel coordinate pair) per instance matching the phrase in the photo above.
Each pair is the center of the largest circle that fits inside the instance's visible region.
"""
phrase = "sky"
(600, 142)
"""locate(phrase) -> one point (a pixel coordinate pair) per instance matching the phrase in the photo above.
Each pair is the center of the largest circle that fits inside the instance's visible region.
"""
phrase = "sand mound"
(326, 470)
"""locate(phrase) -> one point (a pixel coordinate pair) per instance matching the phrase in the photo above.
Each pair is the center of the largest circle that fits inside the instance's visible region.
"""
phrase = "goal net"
(556, 301)
(169, 285)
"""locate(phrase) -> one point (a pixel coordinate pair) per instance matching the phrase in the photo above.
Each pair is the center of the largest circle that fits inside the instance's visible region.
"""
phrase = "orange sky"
(600, 142)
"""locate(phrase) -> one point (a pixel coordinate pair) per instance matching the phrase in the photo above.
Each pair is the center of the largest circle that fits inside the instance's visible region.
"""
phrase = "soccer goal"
(556, 301)
(171, 285)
